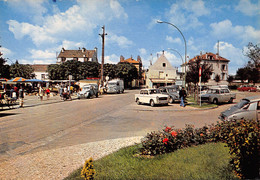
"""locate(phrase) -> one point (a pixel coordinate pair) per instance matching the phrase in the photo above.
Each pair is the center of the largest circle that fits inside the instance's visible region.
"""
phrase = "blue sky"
(34, 31)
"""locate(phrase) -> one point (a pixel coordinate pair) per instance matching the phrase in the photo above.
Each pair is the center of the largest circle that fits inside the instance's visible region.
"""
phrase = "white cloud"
(186, 13)
(142, 51)
(225, 29)
(78, 20)
(6, 52)
(34, 9)
(121, 41)
(171, 40)
(71, 45)
(111, 59)
(235, 55)
(40, 54)
(248, 8)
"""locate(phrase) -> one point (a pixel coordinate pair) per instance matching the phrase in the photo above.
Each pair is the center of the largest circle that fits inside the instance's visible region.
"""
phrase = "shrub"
(242, 138)
(88, 171)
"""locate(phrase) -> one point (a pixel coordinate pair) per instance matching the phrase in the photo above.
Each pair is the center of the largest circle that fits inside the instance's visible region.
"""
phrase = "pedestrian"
(182, 95)
(41, 91)
(21, 96)
(48, 93)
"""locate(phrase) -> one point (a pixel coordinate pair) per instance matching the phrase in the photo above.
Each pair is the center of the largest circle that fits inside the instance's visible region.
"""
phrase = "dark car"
(247, 108)
(172, 91)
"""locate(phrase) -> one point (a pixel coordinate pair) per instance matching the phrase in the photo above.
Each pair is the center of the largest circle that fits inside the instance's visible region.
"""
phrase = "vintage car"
(250, 88)
(152, 97)
(88, 91)
(218, 95)
(247, 108)
(172, 91)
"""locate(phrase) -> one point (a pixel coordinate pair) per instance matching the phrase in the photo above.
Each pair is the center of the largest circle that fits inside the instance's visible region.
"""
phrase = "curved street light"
(178, 53)
(159, 21)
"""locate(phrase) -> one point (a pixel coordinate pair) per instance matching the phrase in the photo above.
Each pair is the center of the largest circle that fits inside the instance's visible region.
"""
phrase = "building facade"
(40, 71)
(81, 55)
(219, 65)
(161, 73)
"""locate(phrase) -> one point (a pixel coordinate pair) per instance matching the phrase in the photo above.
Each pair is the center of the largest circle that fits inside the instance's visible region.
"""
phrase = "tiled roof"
(131, 61)
(76, 54)
(40, 67)
(209, 56)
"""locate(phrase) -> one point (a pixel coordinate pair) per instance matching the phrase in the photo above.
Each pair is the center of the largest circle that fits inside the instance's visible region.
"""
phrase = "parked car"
(88, 90)
(247, 108)
(250, 88)
(218, 95)
(115, 86)
(172, 91)
(152, 97)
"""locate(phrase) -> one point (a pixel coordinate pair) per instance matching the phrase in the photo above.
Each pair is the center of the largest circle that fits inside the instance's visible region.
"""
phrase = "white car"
(152, 97)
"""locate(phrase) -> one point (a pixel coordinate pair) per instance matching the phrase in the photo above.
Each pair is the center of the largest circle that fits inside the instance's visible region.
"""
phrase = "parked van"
(115, 86)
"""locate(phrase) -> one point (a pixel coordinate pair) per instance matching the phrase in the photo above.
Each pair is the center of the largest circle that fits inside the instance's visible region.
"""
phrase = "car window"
(226, 90)
(145, 92)
(222, 91)
(242, 103)
(258, 105)
(252, 106)
(153, 91)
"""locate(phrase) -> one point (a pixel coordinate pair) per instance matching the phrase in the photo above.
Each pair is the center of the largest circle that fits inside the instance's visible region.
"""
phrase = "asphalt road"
(62, 124)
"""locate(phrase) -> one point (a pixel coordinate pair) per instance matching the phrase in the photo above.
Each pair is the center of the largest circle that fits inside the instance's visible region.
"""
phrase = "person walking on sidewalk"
(48, 93)
(41, 92)
(21, 96)
(182, 95)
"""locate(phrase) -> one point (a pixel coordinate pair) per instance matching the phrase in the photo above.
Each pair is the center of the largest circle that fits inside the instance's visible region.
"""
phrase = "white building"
(82, 55)
(40, 71)
(161, 73)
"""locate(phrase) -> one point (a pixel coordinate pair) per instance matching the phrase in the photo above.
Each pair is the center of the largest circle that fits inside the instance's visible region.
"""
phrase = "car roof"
(252, 98)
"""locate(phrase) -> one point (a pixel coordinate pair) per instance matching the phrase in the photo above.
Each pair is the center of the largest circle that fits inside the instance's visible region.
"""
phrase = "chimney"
(122, 58)
(62, 49)
(163, 52)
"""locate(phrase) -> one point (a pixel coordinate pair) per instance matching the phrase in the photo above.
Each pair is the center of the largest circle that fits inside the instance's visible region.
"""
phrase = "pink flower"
(165, 140)
(174, 133)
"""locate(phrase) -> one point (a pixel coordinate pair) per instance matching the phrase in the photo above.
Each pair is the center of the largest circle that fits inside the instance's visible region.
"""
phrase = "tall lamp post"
(159, 21)
(103, 54)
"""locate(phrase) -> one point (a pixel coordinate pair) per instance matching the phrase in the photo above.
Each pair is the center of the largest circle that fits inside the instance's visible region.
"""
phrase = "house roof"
(131, 61)
(209, 56)
(81, 53)
(40, 67)
(158, 64)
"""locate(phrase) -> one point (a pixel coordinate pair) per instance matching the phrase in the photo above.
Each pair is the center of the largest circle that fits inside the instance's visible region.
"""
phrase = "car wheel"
(215, 101)
(231, 100)
(152, 103)
(138, 102)
(171, 100)
(96, 95)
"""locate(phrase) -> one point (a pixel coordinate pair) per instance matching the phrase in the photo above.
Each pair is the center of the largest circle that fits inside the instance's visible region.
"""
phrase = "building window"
(223, 67)
(42, 76)
(164, 64)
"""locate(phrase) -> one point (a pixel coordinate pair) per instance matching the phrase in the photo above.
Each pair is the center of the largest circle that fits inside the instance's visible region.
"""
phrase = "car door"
(258, 111)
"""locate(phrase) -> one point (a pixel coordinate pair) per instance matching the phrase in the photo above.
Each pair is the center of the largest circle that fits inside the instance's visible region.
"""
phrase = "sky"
(34, 31)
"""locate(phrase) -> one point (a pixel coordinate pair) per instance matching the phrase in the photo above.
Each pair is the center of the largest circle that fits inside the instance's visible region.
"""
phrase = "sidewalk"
(31, 101)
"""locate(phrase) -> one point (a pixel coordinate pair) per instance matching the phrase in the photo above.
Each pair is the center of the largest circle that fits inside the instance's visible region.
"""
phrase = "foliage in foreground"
(88, 170)
(209, 161)
(242, 138)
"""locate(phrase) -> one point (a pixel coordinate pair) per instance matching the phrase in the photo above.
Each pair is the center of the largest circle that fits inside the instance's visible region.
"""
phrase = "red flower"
(168, 129)
(165, 140)
(201, 134)
(174, 133)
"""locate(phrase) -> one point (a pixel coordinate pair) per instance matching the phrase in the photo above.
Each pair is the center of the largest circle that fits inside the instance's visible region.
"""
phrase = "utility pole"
(103, 55)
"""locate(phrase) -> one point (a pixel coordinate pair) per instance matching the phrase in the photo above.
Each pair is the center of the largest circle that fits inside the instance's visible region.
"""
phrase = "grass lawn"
(194, 103)
(209, 161)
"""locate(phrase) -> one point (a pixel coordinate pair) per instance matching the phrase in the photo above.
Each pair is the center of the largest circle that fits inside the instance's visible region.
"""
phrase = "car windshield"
(242, 103)
(86, 87)
(112, 84)
(171, 90)
(153, 91)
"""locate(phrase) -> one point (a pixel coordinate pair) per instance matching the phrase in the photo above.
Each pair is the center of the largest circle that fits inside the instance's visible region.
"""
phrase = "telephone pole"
(103, 54)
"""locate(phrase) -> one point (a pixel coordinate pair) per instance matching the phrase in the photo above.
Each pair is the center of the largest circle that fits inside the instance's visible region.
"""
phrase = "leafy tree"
(89, 69)
(21, 70)
(193, 72)
(126, 71)
(253, 53)
(110, 70)
(217, 78)
(242, 74)
(4, 68)
(230, 79)
(55, 72)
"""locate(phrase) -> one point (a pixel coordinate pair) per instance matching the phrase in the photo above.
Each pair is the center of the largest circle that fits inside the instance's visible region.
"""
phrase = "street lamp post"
(159, 21)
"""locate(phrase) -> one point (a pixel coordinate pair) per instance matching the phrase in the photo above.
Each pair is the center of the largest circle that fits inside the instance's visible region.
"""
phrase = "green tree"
(55, 72)
(110, 70)
(126, 71)
(21, 70)
(230, 79)
(193, 72)
(253, 53)
(4, 68)
(89, 69)
(242, 74)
